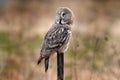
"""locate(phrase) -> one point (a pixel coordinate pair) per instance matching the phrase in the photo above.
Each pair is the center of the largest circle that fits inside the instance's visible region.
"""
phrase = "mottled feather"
(57, 38)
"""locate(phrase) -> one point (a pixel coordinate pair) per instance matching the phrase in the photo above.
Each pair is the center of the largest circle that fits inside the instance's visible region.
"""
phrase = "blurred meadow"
(94, 50)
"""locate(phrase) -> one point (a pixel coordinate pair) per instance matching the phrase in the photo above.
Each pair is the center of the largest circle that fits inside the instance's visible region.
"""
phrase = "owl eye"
(63, 14)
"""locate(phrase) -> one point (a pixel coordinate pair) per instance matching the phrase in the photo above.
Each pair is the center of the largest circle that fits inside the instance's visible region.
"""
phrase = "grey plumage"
(57, 38)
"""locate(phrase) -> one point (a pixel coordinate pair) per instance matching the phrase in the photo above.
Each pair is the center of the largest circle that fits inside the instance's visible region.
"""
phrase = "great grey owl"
(57, 38)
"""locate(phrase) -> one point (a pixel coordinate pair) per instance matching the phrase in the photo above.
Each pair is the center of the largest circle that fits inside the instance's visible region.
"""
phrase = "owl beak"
(63, 22)
(67, 22)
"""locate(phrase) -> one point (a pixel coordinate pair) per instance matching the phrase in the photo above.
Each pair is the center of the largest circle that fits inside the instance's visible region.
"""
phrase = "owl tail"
(39, 60)
(46, 63)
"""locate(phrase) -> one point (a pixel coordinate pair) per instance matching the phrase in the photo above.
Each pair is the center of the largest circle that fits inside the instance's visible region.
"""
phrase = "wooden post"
(60, 66)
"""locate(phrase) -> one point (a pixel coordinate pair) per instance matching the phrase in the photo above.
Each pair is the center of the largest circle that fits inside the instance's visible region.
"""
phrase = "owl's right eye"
(62, 14)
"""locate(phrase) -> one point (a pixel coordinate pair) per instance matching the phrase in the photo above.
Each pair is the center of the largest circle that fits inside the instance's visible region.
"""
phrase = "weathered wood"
(60, 66)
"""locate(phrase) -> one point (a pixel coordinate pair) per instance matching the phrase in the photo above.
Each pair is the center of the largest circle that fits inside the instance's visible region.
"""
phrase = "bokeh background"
(94, 51)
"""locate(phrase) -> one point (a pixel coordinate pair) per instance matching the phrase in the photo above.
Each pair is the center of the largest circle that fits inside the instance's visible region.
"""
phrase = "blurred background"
(94, 51)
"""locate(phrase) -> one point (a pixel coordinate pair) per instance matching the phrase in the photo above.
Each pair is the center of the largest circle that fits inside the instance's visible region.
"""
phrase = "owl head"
(64, 16)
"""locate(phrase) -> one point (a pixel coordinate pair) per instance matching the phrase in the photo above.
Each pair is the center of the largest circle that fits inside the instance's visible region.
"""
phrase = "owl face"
(64, 16)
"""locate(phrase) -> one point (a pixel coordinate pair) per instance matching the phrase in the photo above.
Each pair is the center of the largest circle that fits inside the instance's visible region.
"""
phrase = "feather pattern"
(57, 38)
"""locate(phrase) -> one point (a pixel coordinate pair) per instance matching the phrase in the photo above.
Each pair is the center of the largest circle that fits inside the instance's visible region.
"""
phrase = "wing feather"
(56, 37)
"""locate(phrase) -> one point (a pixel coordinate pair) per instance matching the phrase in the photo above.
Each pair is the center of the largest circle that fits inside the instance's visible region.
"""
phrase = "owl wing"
(56, 37)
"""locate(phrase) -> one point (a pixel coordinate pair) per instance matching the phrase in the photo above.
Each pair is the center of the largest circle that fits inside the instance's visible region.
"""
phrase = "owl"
(57, 37)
